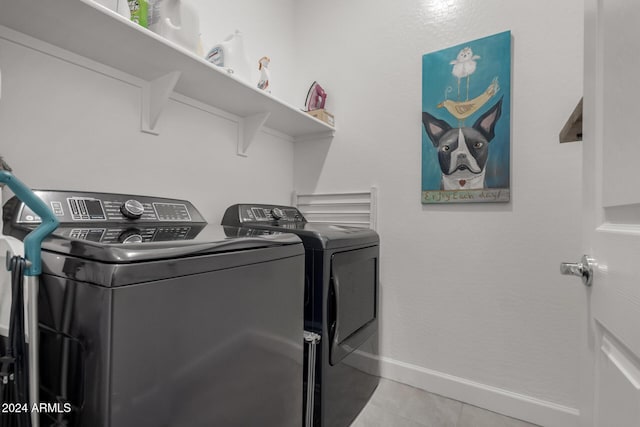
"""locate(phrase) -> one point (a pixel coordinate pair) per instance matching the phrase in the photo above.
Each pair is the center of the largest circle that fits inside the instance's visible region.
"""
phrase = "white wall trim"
(512, 404)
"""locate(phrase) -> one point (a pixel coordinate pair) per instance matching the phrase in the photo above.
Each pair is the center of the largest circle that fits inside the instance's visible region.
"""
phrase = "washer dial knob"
(277, 213)
(132, 209)
(131, 236)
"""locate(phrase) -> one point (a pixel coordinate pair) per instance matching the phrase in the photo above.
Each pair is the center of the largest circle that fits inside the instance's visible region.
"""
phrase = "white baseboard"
(516, 405)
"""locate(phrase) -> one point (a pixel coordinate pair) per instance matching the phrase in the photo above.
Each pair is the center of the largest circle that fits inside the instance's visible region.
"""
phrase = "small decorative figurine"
(263, 66)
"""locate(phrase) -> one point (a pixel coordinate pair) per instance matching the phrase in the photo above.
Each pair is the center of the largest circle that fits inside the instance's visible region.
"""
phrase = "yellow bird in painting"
(463, 109)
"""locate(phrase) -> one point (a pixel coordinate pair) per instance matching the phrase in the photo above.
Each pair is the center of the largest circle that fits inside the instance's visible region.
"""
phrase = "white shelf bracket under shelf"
(572, 130)
(155, 95)
(248, 128)
(328, 134)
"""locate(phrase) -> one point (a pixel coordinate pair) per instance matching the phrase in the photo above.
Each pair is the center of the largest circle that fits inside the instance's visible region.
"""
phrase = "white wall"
(267, 28)
(63, 126)
(472, 303)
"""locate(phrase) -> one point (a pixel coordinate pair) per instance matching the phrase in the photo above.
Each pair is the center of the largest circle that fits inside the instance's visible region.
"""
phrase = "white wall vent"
(357, 209)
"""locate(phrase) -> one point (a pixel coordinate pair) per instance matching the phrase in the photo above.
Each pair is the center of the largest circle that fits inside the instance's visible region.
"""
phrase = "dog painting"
(463, 151)
(466, 122)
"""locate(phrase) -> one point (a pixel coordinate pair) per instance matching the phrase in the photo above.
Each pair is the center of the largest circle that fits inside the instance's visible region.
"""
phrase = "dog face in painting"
(463, 151)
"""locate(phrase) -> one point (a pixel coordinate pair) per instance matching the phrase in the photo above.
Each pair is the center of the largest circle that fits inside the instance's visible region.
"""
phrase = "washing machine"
(340, 309)
(150, 317)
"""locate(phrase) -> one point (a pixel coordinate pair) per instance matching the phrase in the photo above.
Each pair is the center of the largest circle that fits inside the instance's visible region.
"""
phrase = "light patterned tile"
(374, 416)
(473, 416)
(411, 403)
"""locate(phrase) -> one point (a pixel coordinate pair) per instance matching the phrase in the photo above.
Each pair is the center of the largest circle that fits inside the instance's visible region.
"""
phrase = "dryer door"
(352, 306)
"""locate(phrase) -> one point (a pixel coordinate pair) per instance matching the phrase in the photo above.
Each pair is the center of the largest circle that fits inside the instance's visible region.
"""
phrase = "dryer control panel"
(244, 214)
(85, 207)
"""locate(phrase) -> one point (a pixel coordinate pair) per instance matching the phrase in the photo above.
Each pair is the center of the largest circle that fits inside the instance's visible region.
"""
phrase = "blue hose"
(33, 241)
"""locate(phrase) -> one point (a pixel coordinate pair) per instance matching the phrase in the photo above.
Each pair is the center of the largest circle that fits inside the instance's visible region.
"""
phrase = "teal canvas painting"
(466, 132)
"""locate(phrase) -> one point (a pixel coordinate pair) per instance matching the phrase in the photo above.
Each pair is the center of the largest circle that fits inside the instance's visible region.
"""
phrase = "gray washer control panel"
(79, 207)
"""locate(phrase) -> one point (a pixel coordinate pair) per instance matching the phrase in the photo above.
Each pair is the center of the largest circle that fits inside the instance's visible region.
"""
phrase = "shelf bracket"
(155, 95)
(248, 128)
(328, 134)
(572, 130)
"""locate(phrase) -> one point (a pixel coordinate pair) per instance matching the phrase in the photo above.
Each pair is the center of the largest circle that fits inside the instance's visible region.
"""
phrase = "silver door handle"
(582, 269)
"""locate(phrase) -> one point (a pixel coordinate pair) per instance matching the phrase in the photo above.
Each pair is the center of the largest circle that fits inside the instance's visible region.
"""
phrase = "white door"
(611, 171)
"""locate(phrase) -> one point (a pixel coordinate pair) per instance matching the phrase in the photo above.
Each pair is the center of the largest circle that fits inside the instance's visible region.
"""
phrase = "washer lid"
(124, 244)
(111, 239)
(125, 228)
(121, 264)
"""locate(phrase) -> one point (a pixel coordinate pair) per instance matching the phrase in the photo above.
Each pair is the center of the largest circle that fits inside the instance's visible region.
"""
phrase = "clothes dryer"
(341, 308)
(150, 317)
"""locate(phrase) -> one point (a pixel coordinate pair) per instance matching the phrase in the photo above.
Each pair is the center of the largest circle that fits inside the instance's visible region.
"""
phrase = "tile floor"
(398, 405)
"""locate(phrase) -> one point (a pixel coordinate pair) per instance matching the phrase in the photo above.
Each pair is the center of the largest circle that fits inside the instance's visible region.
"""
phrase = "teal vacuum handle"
(33, 241)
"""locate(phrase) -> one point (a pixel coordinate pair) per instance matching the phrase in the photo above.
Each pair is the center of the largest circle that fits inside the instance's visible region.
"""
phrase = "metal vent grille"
(356, 209)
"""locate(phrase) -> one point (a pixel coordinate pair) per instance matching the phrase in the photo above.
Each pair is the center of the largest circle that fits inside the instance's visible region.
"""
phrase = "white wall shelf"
(92, 31)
